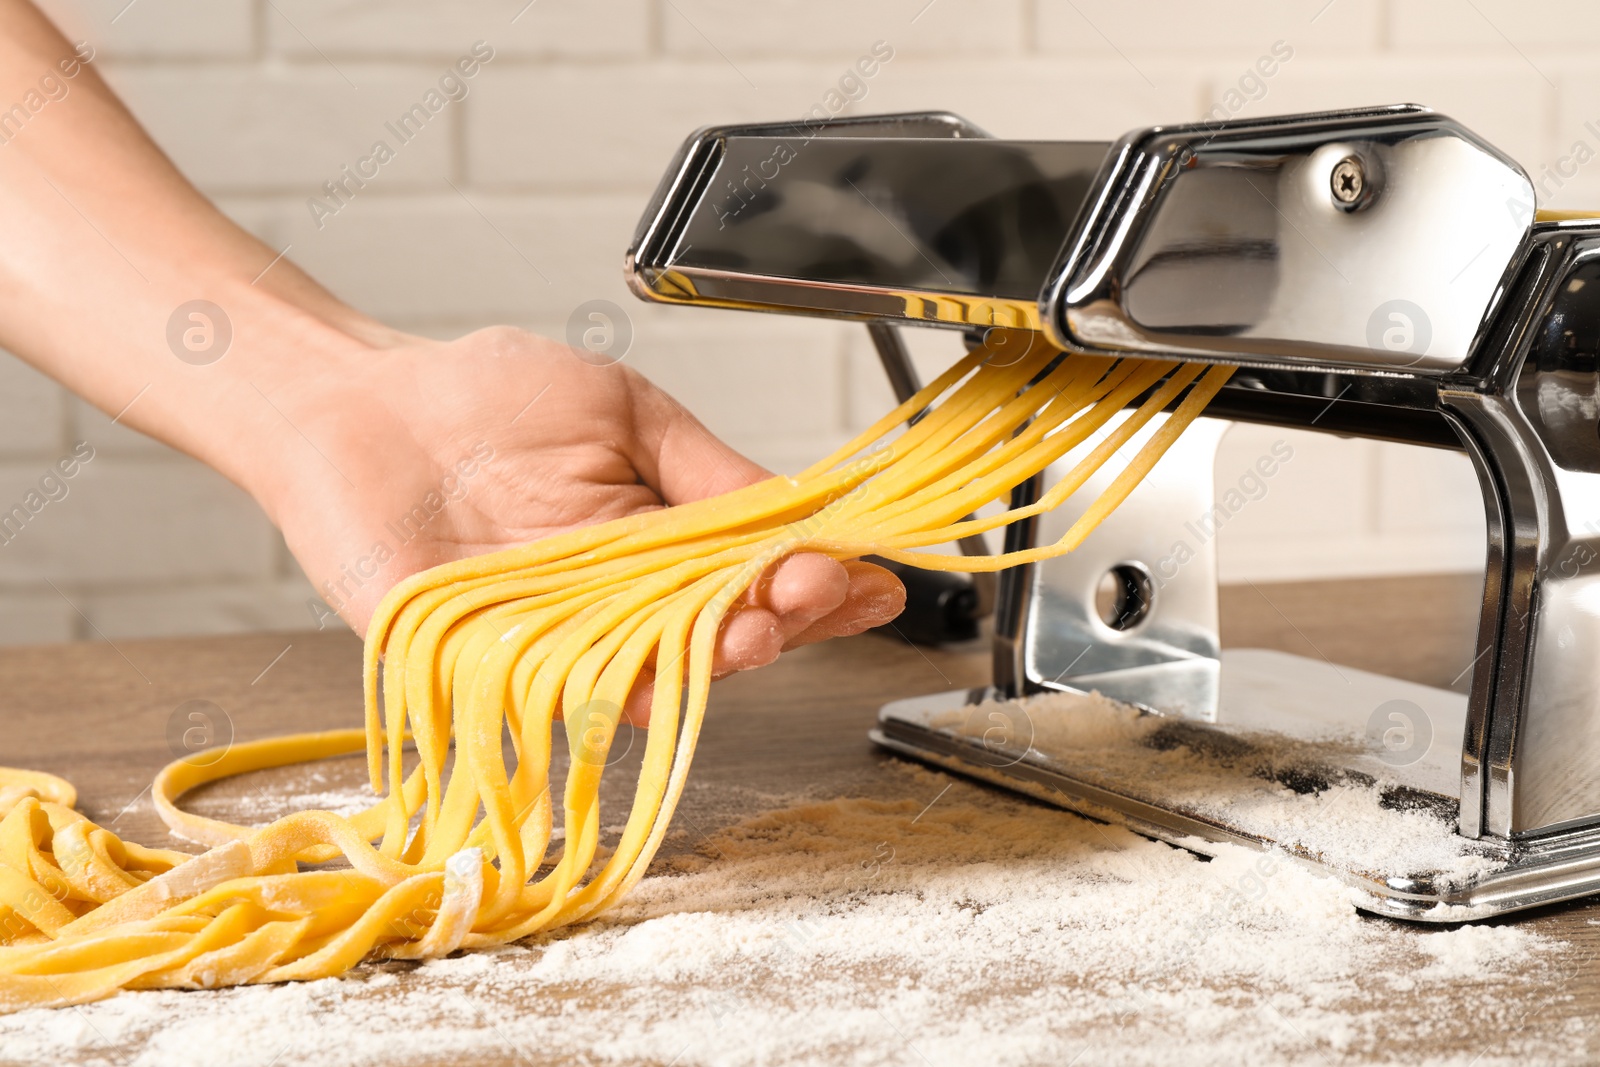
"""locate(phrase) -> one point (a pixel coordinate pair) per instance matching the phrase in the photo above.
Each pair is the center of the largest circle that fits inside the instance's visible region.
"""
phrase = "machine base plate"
(1320, 793)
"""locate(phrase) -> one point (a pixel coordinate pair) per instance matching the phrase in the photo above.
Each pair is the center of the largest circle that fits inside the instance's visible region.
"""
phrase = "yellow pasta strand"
(564, 628)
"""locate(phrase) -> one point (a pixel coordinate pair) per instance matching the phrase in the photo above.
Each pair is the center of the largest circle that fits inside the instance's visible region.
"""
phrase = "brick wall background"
(516, 204)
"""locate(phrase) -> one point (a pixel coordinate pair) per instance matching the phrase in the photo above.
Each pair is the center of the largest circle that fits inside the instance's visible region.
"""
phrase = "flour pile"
(951, 925)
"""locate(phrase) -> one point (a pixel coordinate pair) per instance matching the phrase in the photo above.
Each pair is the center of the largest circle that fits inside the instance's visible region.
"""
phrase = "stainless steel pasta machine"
(1378, 273)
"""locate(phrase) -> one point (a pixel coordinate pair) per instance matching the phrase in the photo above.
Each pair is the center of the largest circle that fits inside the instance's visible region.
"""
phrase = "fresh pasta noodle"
(460, 852)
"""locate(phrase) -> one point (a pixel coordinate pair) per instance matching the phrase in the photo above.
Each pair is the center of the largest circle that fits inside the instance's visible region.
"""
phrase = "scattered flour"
(298, 789)
(978, 928)
(1267, 786)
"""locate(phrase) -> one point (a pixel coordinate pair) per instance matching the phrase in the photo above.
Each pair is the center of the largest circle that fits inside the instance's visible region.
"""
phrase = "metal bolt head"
(1349, 180)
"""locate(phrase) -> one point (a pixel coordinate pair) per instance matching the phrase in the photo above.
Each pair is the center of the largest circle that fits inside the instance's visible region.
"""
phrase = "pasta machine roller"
(1379, 273)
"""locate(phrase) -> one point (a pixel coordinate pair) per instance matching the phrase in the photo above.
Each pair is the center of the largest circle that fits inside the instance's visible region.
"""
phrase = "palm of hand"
(433, 452)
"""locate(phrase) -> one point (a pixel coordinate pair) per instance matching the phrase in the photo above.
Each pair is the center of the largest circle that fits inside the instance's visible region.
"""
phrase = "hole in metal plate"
(1124, 595)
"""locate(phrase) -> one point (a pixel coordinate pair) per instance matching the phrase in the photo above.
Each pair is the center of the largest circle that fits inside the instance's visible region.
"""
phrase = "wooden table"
(108, 718)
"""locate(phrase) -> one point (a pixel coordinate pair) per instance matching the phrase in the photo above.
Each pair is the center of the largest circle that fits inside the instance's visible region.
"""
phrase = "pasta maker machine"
(1378, 273)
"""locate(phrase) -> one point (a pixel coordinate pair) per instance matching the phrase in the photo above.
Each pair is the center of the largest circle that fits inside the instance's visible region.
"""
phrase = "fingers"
(636, 709)
(794, 595)
(751, 637)
(802, 599)
(801, 589)
(874, 597)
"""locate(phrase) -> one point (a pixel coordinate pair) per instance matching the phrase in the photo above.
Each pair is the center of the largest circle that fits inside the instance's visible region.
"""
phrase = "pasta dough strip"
(564, 628)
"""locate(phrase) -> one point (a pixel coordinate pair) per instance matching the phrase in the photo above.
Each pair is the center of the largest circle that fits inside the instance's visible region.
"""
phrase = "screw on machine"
(1349, 180)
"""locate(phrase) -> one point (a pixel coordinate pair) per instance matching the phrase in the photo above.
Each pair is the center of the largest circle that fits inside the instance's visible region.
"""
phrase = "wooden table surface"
(108, 717)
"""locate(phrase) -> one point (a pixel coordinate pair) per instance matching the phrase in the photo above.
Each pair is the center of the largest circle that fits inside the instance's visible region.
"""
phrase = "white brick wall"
(1184, 32)
(841, 29)
(566, 29)
(284, 127)
(565, 132)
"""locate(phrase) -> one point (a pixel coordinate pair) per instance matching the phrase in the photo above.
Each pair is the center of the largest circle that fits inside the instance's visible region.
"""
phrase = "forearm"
(104, 240)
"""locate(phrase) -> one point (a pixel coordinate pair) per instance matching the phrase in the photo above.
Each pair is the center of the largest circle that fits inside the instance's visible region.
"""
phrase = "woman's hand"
(425, 452)
(378, 454)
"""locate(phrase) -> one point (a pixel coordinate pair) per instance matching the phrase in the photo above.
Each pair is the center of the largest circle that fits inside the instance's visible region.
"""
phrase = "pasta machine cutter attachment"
(1379, 273)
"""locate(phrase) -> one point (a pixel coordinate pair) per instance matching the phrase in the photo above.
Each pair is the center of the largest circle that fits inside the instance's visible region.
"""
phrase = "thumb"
(677, 456)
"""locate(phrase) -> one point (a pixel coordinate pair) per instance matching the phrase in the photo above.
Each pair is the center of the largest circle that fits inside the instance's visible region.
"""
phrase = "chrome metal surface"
(1510, 875)
(916, 218)
(1261, 693)
(1378, 273)
(1536, 760)
(1221, 241)
(1486, 661)
(1013, 599)
(683, 182)
(1167, 529)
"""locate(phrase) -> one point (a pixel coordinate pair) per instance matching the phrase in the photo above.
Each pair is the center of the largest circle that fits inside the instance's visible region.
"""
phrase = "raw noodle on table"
(458, 655)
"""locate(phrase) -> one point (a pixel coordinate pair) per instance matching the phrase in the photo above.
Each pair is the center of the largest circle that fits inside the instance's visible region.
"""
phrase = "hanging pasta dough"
(564, 627)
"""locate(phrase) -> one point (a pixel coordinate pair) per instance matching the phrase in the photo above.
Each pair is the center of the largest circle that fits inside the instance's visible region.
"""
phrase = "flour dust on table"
(976, 928)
